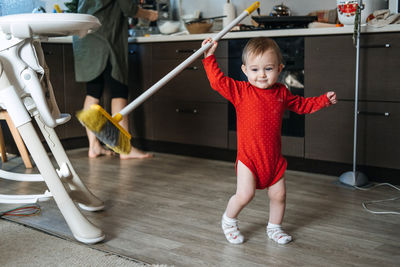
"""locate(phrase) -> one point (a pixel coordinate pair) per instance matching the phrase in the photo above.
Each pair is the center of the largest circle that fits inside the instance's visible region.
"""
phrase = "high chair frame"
(26, 93)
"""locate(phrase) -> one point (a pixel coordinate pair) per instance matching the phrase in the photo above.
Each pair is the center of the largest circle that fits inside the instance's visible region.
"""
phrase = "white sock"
(275, 232)
(231, 230)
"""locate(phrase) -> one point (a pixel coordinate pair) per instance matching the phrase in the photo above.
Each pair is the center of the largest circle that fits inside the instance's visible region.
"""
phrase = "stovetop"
(282, 22)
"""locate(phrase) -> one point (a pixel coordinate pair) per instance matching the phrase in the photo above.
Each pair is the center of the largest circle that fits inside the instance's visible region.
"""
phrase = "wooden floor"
(167, 210)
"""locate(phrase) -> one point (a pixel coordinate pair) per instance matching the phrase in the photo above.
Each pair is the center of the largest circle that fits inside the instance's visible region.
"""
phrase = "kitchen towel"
(381, 18)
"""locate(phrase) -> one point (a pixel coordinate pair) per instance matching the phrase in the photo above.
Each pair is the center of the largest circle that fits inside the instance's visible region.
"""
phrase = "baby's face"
(262, 70)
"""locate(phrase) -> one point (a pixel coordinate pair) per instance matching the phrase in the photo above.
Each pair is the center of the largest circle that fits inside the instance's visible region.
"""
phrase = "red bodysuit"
(259, 119)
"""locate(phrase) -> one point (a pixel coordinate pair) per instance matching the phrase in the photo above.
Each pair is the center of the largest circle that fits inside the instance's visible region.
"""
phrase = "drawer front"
(379, 67)
(183, 50)
(329, 65)
(190, 85)
(379, 131)
(329, 134)
(191, 123)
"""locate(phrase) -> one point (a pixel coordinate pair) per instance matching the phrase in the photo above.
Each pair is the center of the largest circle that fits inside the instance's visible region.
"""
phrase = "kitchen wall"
(215, 7)
(8, 7)
(208, 7)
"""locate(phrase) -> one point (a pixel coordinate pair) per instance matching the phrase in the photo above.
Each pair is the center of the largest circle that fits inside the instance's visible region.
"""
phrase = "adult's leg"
(116, 105)
(95, 147)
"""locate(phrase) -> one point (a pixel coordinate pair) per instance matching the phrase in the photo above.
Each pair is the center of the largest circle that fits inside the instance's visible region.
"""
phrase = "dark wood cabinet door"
(379, 67)
(191, 84)
(194, 123)
(140, 120)
(330, 132)
(182, 50)
(186, 110)
(74, 95)
(379, 131)
(329, 65)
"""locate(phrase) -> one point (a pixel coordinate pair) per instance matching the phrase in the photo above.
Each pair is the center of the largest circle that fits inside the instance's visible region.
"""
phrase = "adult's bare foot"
(99, 151)
(136, 154)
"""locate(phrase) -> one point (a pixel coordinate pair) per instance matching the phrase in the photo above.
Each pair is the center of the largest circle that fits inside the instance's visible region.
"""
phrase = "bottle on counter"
(229, 12)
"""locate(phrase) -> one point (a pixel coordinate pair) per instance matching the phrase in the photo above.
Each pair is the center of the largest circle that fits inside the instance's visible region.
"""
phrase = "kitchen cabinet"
(140, 70)
(330, 65)
(186, 110)
(74, 95)
(69, 93)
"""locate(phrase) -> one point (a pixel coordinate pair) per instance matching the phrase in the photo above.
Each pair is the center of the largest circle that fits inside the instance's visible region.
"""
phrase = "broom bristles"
(106, 129)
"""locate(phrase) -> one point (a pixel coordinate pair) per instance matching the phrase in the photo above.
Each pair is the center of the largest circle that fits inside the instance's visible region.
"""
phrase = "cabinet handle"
(192, 68)
(132, 52)
(187, 110)
(376, 46)
(385, 114)
(186, 50)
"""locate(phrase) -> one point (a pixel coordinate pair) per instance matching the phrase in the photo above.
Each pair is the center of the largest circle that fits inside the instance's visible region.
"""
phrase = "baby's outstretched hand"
(212, 49)
(332, 97)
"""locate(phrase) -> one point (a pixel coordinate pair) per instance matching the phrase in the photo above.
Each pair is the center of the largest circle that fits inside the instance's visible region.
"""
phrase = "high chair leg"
(17, 138)
(2, 147)
(79, 192)
(81, 228)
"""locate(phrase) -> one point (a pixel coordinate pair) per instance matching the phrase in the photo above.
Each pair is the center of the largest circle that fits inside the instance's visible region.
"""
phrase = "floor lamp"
(355, 178)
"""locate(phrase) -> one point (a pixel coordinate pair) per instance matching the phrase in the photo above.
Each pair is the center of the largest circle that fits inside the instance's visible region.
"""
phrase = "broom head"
(106, 128)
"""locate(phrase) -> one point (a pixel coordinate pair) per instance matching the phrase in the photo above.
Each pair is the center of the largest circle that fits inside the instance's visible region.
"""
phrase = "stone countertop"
(249, 34)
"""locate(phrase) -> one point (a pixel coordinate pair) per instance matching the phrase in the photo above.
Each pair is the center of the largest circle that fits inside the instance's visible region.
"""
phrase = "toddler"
(260, 104)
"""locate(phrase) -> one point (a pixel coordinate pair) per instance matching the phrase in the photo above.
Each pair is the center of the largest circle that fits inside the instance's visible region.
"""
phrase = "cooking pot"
(280, 11)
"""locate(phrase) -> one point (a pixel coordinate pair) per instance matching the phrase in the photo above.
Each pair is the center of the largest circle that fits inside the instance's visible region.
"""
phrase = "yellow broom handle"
(146, 94)
(253, 7)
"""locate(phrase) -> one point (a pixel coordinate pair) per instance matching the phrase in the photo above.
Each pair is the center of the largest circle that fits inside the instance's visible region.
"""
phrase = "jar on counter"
(347, 9)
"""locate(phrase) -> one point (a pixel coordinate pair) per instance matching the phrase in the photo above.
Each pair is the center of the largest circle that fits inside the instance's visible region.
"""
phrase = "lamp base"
(348, 178)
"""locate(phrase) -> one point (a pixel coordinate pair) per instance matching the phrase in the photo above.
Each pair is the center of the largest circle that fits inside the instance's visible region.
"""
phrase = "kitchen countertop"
(249, 34)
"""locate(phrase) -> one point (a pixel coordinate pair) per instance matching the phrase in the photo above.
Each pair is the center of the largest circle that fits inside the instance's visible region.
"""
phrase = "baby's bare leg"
(277, 204)
(244, 194)
(277, 201)
(245, 189)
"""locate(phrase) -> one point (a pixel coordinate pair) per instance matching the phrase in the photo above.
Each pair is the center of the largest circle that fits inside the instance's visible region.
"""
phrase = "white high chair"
(26, 92)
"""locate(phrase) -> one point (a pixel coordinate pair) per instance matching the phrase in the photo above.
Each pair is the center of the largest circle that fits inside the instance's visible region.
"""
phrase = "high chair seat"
(48, 24)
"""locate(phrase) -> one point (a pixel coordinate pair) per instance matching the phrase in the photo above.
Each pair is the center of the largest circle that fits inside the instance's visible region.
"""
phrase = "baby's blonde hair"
(258, 46)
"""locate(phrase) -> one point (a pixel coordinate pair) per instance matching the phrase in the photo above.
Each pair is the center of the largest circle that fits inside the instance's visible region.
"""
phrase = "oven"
(292, 49)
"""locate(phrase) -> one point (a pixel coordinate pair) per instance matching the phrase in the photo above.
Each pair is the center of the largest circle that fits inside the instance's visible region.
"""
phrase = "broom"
(107, 128)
